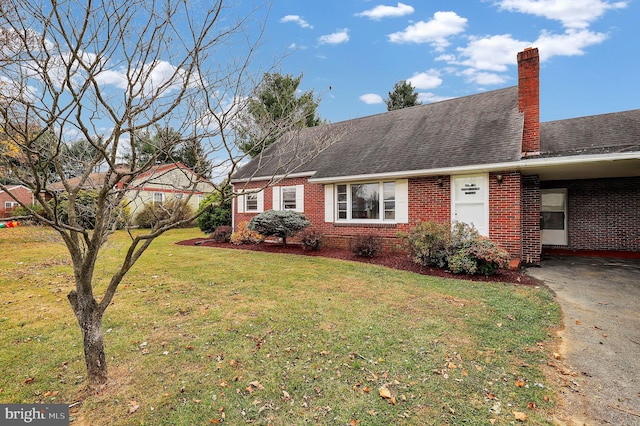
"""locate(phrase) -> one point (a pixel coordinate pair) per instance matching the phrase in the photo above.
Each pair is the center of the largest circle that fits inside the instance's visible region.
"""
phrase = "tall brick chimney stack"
(529, 99)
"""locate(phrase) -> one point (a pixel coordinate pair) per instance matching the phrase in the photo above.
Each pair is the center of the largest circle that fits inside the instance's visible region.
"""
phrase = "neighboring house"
(9, 203)
(483, 159)
(160, 184)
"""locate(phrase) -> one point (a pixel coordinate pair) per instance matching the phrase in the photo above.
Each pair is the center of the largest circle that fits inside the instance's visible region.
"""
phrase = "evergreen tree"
(275, 107)
(403, 96)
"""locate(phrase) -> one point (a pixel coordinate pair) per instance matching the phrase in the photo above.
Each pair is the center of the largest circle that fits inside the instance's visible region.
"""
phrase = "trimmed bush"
(245, 236)
(152, 214)
(279, 223)
(429, 243)
(478, 256)
(366, 245)
(458, 247)
(311, 239)
(222, 234)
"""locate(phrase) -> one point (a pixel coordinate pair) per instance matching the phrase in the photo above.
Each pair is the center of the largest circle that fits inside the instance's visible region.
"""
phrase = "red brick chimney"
(529, 99)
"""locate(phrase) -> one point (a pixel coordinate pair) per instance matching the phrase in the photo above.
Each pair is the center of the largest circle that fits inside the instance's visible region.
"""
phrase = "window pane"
(365, 201)
(341, 192)
(389, 190)
(251, 202)
(289, 198)
(157, 197)
(553, 220)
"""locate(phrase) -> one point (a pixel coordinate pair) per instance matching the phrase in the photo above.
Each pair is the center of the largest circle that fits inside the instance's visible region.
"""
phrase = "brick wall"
(505, 221)
(428, 200)
(531, 246)
(603, 214)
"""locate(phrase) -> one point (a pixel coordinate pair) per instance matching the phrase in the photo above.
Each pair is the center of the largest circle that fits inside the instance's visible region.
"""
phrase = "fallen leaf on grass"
(520, 416)
(29, 380)
(354, 422)
(384, 393)
(532, 405)
(133, 406)
(519, 383)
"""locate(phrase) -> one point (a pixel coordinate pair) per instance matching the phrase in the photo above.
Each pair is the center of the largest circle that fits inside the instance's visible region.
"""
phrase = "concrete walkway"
(600, 299)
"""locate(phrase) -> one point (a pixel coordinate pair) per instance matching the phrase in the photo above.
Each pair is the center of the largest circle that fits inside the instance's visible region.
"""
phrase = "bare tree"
(104, 71)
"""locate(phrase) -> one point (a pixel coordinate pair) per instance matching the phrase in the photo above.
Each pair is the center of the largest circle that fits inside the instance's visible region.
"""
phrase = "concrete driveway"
(600, 343)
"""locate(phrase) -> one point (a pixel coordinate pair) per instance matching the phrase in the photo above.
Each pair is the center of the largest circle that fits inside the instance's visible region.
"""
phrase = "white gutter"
(530, 163)
(276, 177)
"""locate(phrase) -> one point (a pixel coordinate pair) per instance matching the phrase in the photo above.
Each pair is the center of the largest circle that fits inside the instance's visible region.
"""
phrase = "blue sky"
(352, 52)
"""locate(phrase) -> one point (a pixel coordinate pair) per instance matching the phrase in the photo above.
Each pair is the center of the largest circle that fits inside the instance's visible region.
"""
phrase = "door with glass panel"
(553, 221)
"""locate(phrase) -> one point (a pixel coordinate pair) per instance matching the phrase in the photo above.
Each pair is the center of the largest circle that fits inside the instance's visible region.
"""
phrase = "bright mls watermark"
(34, 414)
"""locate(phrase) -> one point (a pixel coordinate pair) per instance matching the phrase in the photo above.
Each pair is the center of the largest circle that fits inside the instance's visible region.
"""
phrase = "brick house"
(483, 159)
(9, 203)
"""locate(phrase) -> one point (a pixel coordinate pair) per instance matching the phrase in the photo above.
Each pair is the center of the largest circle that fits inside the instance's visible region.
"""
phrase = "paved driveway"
(601, 341)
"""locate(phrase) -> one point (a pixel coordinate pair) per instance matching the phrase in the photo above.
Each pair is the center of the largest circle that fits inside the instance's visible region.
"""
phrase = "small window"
(251, 202)
(8, 204)
(389, 199)
(342, 201)
(158, 198)
(289, 198)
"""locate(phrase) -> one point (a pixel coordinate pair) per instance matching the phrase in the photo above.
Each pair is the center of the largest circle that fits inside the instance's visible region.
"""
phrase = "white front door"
(553, 226)
(470, 201)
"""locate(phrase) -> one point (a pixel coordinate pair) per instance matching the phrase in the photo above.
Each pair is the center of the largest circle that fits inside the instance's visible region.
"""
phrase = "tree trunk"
(90, 320)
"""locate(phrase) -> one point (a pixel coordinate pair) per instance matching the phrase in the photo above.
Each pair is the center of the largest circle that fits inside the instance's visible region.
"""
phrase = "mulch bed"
(390, 260)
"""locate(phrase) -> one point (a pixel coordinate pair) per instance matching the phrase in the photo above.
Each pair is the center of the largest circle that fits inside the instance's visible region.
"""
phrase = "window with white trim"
(288, 198)
(251, 202)
(10, 205)
(158, 198)
(373, 201)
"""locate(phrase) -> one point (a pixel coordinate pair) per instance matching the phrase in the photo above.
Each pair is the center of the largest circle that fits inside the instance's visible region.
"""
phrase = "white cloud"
(435, 31)
(381, 11)
(572, 14)
(428, 97)
(494, 53)
(338, 37)
(299, 20)
(426, 80)
(484, 78)
(371, 99)
(571, 43)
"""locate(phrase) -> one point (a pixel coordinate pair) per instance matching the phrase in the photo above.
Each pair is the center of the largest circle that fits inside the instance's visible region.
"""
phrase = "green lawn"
(200, 336)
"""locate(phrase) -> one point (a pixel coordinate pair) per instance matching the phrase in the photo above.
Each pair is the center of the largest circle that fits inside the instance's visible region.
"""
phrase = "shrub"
(311, 239)
(218, 210)
(222, 234)
(85, 210)
(366, 245)
(478, 256)
(245, 236)
(279, 223)
(429, 243)
(152, 214)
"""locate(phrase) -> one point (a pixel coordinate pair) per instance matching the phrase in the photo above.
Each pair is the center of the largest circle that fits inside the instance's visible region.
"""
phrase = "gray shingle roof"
(596, 134)
(479, 129)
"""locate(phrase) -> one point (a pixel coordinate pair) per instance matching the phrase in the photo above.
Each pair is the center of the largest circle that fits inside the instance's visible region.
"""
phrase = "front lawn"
(200, 336)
